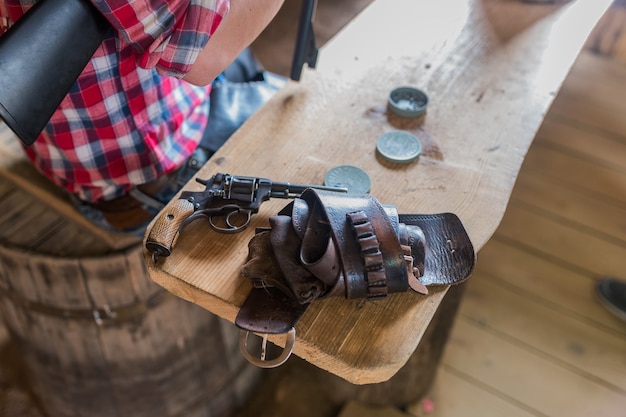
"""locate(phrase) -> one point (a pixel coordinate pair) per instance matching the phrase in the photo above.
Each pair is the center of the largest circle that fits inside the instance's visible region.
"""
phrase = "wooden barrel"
(99, 339)
(96, 336)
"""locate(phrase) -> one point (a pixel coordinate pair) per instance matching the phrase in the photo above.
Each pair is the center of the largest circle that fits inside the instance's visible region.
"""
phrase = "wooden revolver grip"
(164, 232)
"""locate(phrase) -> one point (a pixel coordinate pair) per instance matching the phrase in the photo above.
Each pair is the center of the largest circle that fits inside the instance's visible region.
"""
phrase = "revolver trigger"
(235, 227)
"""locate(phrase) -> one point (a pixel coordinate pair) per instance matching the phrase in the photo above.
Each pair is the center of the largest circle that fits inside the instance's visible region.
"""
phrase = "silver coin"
(399, 146)
(347, 176)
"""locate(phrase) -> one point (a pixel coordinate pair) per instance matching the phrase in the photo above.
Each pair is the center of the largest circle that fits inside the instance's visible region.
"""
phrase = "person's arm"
(241, 26)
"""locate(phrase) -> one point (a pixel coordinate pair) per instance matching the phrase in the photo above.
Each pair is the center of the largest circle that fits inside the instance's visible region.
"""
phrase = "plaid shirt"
(129, 118)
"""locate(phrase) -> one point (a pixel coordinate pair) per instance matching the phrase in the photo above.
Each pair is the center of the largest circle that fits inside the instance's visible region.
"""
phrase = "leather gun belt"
(326, 244)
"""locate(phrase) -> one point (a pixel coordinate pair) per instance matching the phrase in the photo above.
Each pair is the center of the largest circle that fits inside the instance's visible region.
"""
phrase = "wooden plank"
(45, 281)
(58, 282)
(6, 188)
(33, 228)
(29, 223)
(609, 37)
(108, 283)
(603, 181)
(578, 137)
(457, 395)
(541, 385)
(41, 289)
(12, 213)
(143, 287)
(563, 244)
(600, 102)
(564, 289)
(17, 229)
(75, 381)
(491, 69)
(37, 216)
(571, 205)
(580, 346)
(61, 238)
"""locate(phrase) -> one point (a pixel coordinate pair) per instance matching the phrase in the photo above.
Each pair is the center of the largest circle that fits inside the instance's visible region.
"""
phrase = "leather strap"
(269, 311)
(448, 256)
(334, 209)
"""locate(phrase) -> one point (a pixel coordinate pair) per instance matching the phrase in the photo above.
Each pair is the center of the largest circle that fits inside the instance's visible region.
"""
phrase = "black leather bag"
(235, 96)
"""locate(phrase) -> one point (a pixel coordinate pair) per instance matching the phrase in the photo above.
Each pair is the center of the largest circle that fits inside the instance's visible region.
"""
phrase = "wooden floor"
(530, 340)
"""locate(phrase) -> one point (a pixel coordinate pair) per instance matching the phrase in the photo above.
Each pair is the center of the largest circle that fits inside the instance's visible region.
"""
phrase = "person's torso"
(119, 125)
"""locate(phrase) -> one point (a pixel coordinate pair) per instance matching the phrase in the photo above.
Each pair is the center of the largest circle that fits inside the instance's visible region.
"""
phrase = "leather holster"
(327, 244)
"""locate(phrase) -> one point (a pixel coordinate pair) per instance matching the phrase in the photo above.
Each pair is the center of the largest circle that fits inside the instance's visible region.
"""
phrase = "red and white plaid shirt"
(129, 118)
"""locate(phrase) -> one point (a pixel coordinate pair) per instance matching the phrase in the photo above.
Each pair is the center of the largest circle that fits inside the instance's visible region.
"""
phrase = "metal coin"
(347, 176)
(399, 146)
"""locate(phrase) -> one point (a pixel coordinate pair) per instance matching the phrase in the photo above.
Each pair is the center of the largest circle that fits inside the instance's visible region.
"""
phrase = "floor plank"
(525, 378)
(594, 93)
(575, 206)
(576, 345)
(601, 180)
(535, 277)
(457, 395)
(580, 139)
(530, 329)
(554, 239)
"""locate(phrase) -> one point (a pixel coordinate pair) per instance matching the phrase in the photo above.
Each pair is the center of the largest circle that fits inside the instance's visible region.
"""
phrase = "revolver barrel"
(289, 190)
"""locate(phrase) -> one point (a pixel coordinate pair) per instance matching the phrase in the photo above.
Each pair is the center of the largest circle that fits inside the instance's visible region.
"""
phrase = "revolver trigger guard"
(261, 361)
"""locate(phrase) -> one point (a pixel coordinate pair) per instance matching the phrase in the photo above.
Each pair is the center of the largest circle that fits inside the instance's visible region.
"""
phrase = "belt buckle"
(262, 361)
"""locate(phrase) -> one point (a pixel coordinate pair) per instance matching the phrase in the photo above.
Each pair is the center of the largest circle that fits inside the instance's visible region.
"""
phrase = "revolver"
(228, 202)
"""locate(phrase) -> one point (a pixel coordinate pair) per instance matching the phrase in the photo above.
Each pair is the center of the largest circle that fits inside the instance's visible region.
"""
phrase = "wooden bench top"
(491, 69)
(37, 216)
